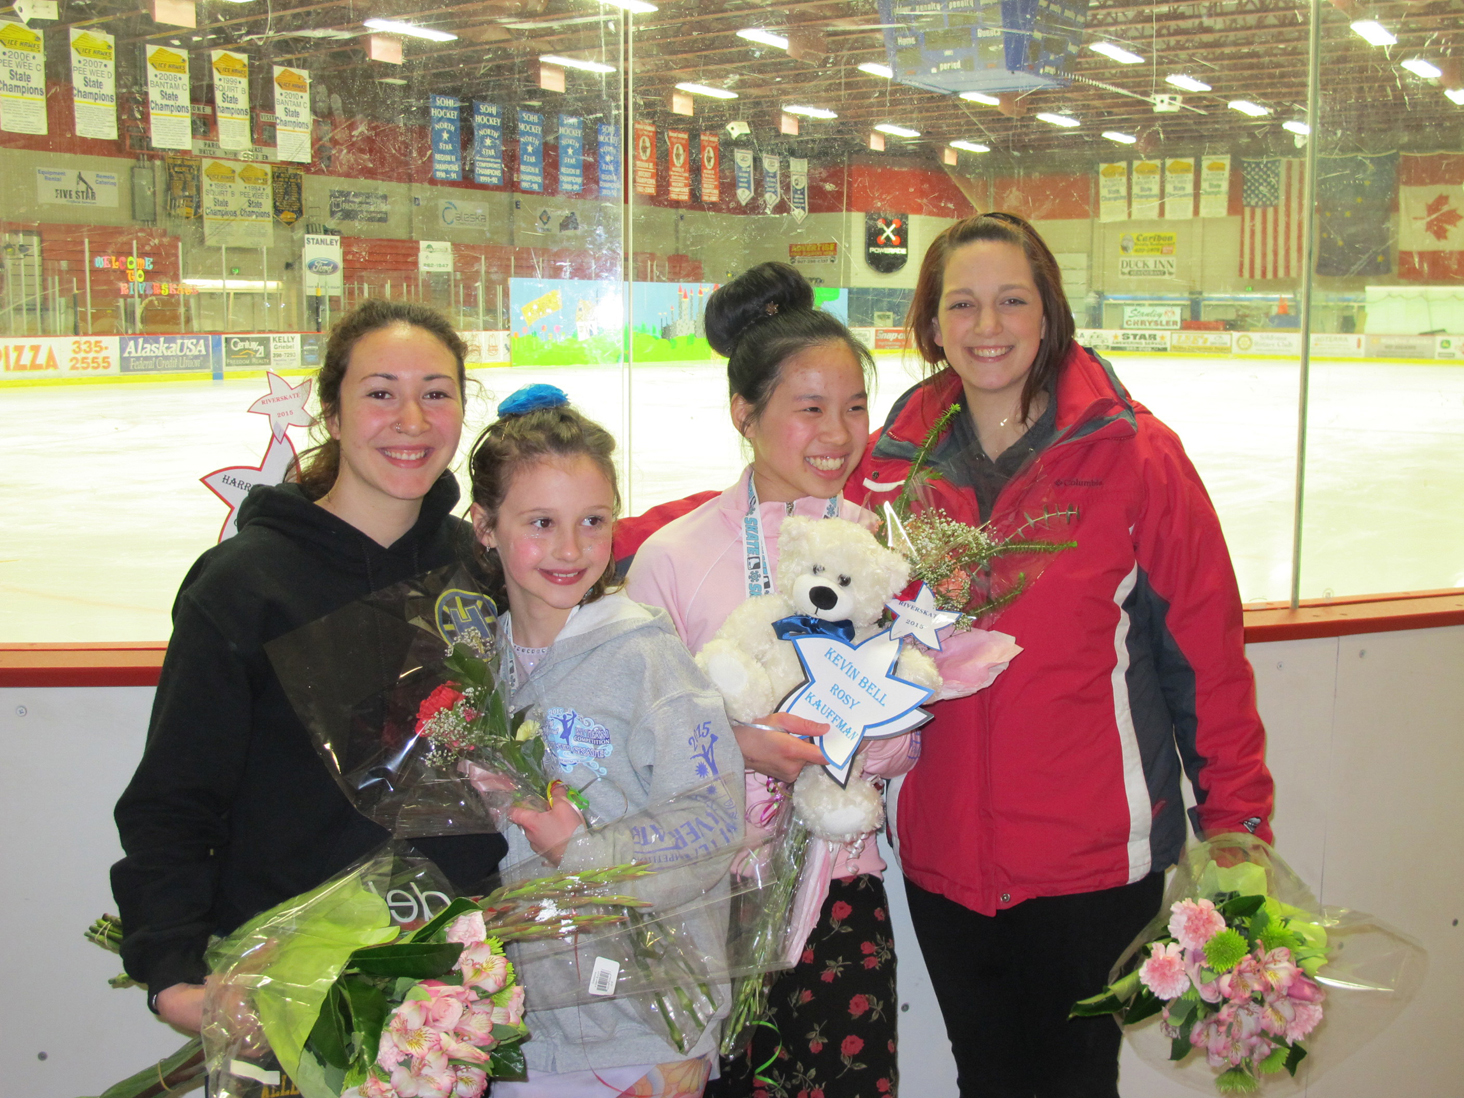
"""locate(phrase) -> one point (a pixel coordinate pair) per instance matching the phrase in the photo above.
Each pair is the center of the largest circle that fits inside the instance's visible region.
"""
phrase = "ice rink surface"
(102, 512)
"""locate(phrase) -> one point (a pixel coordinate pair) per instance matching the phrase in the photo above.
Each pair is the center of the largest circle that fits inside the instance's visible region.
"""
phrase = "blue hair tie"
(531, 398)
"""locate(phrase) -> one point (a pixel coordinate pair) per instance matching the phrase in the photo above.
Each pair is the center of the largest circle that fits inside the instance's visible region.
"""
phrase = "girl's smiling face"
(990, 323)
(552, 533)
(812, 431)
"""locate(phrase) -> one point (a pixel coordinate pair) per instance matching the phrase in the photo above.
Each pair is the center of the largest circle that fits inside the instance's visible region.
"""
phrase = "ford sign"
(322, 266)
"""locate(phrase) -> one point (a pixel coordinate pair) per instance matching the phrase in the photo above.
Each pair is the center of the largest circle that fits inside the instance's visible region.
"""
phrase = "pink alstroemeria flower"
(511, 1013)
(476, 1025)
(377, 1087)
(1244, 981)
(1163, 973)
(454, 1048)
(410, 1031)
(467, 929)
(471, 1082)
(1195, 922)
(1279, 968)
(1305, 990)
(483, 969)
(431, 1076)
(1194, 961)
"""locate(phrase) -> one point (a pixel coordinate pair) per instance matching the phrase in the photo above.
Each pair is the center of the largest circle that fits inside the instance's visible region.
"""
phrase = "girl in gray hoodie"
(629, 722)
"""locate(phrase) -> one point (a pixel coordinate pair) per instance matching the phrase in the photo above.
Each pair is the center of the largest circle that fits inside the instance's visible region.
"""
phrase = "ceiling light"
(1297, 127)
(1121, 138)
(1118, 53)
(809, 112)
(1426, 69)
(702, 89)
(1058, 119)
(635, 7)
(1455, 95)
(390, 80)
(767, 38)
(1373, 32)
(575, 63)
(896, 131)
(391, 26)
(970, 146)
(1188, 83)
(1245, 106)
(874, 68)
(239, 284)
(982, 97)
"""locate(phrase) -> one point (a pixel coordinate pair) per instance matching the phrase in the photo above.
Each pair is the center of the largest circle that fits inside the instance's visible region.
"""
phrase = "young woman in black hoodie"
(231, 811)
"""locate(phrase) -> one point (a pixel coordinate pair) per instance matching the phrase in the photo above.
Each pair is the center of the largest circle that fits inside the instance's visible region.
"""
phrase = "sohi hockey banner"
(608, 135)
(487, 144)
(447, 137)
(571, 154)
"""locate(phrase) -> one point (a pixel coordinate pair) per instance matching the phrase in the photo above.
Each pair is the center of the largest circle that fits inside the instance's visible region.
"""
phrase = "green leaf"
(1259, 923)
(1241, 907)
(1294, 1058)
(460, 906)
(1181, 1011)
(369, 1009)
(1145, 1005)
(419, 960)
(331, 1035)
(1180, 1047)
(508, 1063)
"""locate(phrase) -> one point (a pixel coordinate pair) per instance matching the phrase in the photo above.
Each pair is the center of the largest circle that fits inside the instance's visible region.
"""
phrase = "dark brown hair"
(317, 468)
(764, 317)
(513, 442)
(922, 322)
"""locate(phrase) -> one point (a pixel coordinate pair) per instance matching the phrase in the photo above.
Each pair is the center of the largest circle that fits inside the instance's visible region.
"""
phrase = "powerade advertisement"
(562, 322)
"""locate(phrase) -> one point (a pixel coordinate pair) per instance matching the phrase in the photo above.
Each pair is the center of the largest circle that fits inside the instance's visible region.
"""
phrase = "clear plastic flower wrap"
(402, 696)
(1242, 966)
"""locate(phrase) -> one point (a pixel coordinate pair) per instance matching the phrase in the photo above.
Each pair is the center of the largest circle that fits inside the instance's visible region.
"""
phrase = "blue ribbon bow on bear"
(806, 625)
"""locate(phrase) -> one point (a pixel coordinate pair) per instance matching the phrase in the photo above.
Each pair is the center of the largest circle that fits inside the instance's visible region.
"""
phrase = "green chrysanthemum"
(1237, 1081)
(1275, 936)
(1224, 951)
(1276, 1061)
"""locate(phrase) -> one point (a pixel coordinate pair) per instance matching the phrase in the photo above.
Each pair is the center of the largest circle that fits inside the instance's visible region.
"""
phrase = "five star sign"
(920, 619)
(854, 690)
(232, 484)
(285, 405)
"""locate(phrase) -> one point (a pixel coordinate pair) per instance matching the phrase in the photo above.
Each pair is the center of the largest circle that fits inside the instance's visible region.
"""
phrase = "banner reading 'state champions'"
(1113, 191)
(487, 143)
(22, 79)
(447, 138)
(94, 83)
(231, 98)
(711, 167)
(571, 154)
(531, 150)
(292, 114)
(609, 162)
(169, 115)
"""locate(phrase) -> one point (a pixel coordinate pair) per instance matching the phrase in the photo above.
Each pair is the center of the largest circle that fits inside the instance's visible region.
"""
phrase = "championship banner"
(238, 204)
(571, 154)
(94, 83)
(742, 172)
(679, 156)
(321, 263)
(447, 137)
(798, 188)
(23, 80)
(1113, 191)
(608, 134)
(231, 98)
(292, 114)
(289, 194)
(531, 150)
(170, 115)
(487, 144)
(1179, 188)
(1214, 185)
(645, 158)
(711, 168)
(1147, 183)
(886, 241)
(772, 176)
(183, 187)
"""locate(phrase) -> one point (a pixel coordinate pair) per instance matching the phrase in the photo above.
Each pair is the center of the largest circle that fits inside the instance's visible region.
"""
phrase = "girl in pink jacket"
(797, 381)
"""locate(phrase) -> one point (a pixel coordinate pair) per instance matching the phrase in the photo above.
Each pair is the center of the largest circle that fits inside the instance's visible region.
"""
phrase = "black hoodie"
(231, 811)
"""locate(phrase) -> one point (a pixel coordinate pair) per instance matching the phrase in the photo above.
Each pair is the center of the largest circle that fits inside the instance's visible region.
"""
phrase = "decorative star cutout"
(854, 690)
(920, 619)
(285, 405)
(232, 484)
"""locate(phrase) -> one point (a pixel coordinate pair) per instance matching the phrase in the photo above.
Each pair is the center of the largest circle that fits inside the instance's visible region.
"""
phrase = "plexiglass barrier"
(194, 191)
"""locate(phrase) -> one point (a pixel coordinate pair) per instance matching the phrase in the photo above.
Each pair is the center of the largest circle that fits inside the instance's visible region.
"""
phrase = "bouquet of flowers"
(1242, 965)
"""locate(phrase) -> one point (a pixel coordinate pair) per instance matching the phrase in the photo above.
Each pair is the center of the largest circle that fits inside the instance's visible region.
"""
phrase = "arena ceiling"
(1254, 50)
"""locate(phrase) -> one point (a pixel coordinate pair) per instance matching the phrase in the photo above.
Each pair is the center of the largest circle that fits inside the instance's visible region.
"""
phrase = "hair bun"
(531, 398)
(762, 291)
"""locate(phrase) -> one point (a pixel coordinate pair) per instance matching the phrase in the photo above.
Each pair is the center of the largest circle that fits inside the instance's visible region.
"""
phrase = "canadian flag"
(1431, 217)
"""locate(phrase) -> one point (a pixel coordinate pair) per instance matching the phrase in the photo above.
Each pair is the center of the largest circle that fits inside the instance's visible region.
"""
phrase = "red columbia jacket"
(1063, 776)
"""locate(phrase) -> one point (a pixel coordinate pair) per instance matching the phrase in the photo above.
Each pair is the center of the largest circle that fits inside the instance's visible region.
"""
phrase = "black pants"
(1006, 982)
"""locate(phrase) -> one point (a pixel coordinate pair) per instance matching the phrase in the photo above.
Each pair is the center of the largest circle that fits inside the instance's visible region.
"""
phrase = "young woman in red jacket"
(1035, 830)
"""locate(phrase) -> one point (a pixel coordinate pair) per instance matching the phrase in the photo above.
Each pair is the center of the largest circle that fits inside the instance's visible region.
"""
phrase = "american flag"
(1271, 194)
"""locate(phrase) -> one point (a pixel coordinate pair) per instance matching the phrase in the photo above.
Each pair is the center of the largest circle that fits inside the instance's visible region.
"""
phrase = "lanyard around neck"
(755, 550)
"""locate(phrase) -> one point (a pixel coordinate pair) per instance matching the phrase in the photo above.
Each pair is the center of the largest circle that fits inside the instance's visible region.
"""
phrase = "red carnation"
(444, 697)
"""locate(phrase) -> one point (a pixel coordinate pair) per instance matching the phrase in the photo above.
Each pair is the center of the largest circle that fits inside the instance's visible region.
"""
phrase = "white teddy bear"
(834, 570)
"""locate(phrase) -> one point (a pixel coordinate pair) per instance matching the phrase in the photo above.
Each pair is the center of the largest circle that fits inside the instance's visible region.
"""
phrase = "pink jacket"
(694, 568)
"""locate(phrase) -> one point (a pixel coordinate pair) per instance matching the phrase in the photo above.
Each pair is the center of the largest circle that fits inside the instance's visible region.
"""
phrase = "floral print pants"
(834, 1012)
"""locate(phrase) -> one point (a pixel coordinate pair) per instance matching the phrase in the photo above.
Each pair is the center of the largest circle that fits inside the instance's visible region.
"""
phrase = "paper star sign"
(232, 484)
(854, 690)
(285, 405)
(919, 618)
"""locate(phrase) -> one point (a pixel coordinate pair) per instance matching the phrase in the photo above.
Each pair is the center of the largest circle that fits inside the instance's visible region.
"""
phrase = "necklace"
(755, 551)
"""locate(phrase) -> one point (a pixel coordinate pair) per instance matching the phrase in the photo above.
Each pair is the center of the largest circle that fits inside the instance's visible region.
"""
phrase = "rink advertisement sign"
(1148, 255)
(69, 187)
(321, 263)
(886, 241)
(248, 352)
(1200, 343)
(1152, 317)
(45, 357)
(155, 354)
(369, 206)
(812, 254)
(1267, 343)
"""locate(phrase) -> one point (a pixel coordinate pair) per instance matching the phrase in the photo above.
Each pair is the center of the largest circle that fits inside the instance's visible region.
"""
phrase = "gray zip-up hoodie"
(630, 721)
